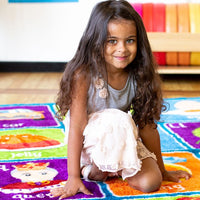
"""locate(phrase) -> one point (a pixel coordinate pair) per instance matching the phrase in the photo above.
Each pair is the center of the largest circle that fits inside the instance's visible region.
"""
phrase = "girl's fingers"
(185, 175)
(56, 192)
(85, 191)
(188, 176)
(175, 179)
(175, 176)
(180, 174)
(64, 194)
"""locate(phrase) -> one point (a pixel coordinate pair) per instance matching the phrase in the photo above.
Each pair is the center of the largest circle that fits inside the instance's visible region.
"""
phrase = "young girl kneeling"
(112, 72)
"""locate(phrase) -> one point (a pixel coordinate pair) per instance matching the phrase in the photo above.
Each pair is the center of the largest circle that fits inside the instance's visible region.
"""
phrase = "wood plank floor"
(42, 87)
(181, 86)
(28, 87)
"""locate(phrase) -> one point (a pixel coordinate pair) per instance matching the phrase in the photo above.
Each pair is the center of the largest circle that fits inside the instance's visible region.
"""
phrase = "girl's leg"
(148, 179)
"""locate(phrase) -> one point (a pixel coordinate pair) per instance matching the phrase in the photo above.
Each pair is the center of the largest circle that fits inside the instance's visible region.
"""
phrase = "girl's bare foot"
(92, 172)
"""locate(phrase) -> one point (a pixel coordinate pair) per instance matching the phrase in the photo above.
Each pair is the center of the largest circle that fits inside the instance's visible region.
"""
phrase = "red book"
(159, 26)
(148, 16)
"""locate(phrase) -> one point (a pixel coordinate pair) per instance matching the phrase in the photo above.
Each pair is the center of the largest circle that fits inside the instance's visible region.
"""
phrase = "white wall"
(48, 32)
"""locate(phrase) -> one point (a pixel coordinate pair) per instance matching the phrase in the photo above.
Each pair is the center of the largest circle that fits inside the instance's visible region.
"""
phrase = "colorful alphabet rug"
(33, 154)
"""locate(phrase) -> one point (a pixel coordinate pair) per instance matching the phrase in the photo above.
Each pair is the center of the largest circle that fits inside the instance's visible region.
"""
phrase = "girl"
(112, 72)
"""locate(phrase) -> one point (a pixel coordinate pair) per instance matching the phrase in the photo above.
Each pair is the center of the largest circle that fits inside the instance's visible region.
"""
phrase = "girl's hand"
(72, 187)
(175, 176)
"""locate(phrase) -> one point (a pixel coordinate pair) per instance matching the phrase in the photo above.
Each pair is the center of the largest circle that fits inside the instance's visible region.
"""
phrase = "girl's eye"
(112, 41)
(129, 41)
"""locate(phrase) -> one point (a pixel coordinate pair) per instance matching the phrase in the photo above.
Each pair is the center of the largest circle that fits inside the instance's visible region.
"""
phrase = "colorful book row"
(172, 18)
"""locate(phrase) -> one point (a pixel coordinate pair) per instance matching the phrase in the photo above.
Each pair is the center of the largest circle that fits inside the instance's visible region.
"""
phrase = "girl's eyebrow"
(132, 36)
(114, 37)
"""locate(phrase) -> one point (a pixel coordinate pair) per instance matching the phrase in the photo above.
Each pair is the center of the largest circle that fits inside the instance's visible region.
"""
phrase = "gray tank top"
(101, 95)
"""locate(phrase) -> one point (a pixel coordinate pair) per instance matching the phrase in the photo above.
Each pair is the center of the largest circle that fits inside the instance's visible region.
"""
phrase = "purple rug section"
(26, 116)
(189, 132)
(34, 179)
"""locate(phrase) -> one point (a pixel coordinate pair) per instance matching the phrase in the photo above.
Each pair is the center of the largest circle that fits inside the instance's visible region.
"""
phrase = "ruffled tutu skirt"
(111, 142)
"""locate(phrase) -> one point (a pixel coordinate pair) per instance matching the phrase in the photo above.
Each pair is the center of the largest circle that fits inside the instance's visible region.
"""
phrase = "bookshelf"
(175, 42)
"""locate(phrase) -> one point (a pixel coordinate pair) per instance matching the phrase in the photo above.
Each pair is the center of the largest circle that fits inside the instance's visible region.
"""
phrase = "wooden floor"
(28, 87)
(43, 87)
(181, 85)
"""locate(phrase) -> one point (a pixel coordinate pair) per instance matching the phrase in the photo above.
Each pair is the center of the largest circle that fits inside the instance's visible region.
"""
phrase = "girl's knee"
(151, 185)
(147, 183)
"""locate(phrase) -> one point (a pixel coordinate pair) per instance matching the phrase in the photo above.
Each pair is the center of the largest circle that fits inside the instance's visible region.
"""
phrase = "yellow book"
(194, 10)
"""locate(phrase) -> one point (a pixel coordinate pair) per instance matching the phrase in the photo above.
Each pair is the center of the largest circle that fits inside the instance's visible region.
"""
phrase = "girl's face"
(121, 45)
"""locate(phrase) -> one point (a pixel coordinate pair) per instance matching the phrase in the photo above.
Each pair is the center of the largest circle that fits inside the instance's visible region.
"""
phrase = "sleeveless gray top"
(101, 95)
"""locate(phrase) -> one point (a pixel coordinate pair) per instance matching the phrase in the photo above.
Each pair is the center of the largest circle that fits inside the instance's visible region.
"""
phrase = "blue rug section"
(179, 126)
(168, 142)
(181, 110)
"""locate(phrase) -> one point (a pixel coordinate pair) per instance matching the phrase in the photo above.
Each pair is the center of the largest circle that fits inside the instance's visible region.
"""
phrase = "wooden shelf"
(175, 42)
(179, 70)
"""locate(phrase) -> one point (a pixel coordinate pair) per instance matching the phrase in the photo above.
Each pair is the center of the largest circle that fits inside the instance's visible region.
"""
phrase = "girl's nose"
(121, 47)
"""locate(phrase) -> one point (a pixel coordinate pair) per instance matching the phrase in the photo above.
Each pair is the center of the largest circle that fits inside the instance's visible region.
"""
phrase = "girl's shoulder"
(82, 77)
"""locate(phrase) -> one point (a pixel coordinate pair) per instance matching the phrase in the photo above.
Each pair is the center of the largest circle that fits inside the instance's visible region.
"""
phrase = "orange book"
(183, 27)
(171, 27)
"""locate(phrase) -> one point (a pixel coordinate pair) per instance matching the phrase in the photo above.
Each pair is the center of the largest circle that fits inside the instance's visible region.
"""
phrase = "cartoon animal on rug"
(21, 113)
(33, 176)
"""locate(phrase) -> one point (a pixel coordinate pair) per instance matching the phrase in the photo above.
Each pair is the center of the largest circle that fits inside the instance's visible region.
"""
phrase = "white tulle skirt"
(111, 142)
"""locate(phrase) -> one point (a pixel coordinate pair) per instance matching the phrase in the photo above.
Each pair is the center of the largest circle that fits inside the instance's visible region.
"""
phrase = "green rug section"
(42, 150)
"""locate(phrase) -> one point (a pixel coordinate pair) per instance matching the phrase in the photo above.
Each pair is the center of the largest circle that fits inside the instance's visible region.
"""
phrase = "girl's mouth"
(121, 58)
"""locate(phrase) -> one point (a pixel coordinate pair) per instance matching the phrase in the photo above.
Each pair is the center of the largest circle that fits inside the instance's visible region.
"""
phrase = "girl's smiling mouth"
(121, 58)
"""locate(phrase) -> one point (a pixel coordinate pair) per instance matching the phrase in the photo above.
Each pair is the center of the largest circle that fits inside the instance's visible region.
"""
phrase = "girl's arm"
(151, 139)
(78, 121)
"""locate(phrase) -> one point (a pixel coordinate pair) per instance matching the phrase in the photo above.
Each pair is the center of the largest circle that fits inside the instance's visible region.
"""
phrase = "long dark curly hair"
(89, 59)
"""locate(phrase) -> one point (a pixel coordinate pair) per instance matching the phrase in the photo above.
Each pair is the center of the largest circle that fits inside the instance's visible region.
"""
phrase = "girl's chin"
(118, 65)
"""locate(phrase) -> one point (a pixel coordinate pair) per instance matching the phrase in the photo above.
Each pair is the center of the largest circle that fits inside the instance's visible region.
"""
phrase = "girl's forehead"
(121, 26)
(121, 21)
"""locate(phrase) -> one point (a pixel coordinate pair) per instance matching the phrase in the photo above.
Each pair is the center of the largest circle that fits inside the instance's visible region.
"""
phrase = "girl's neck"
(117, 79)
